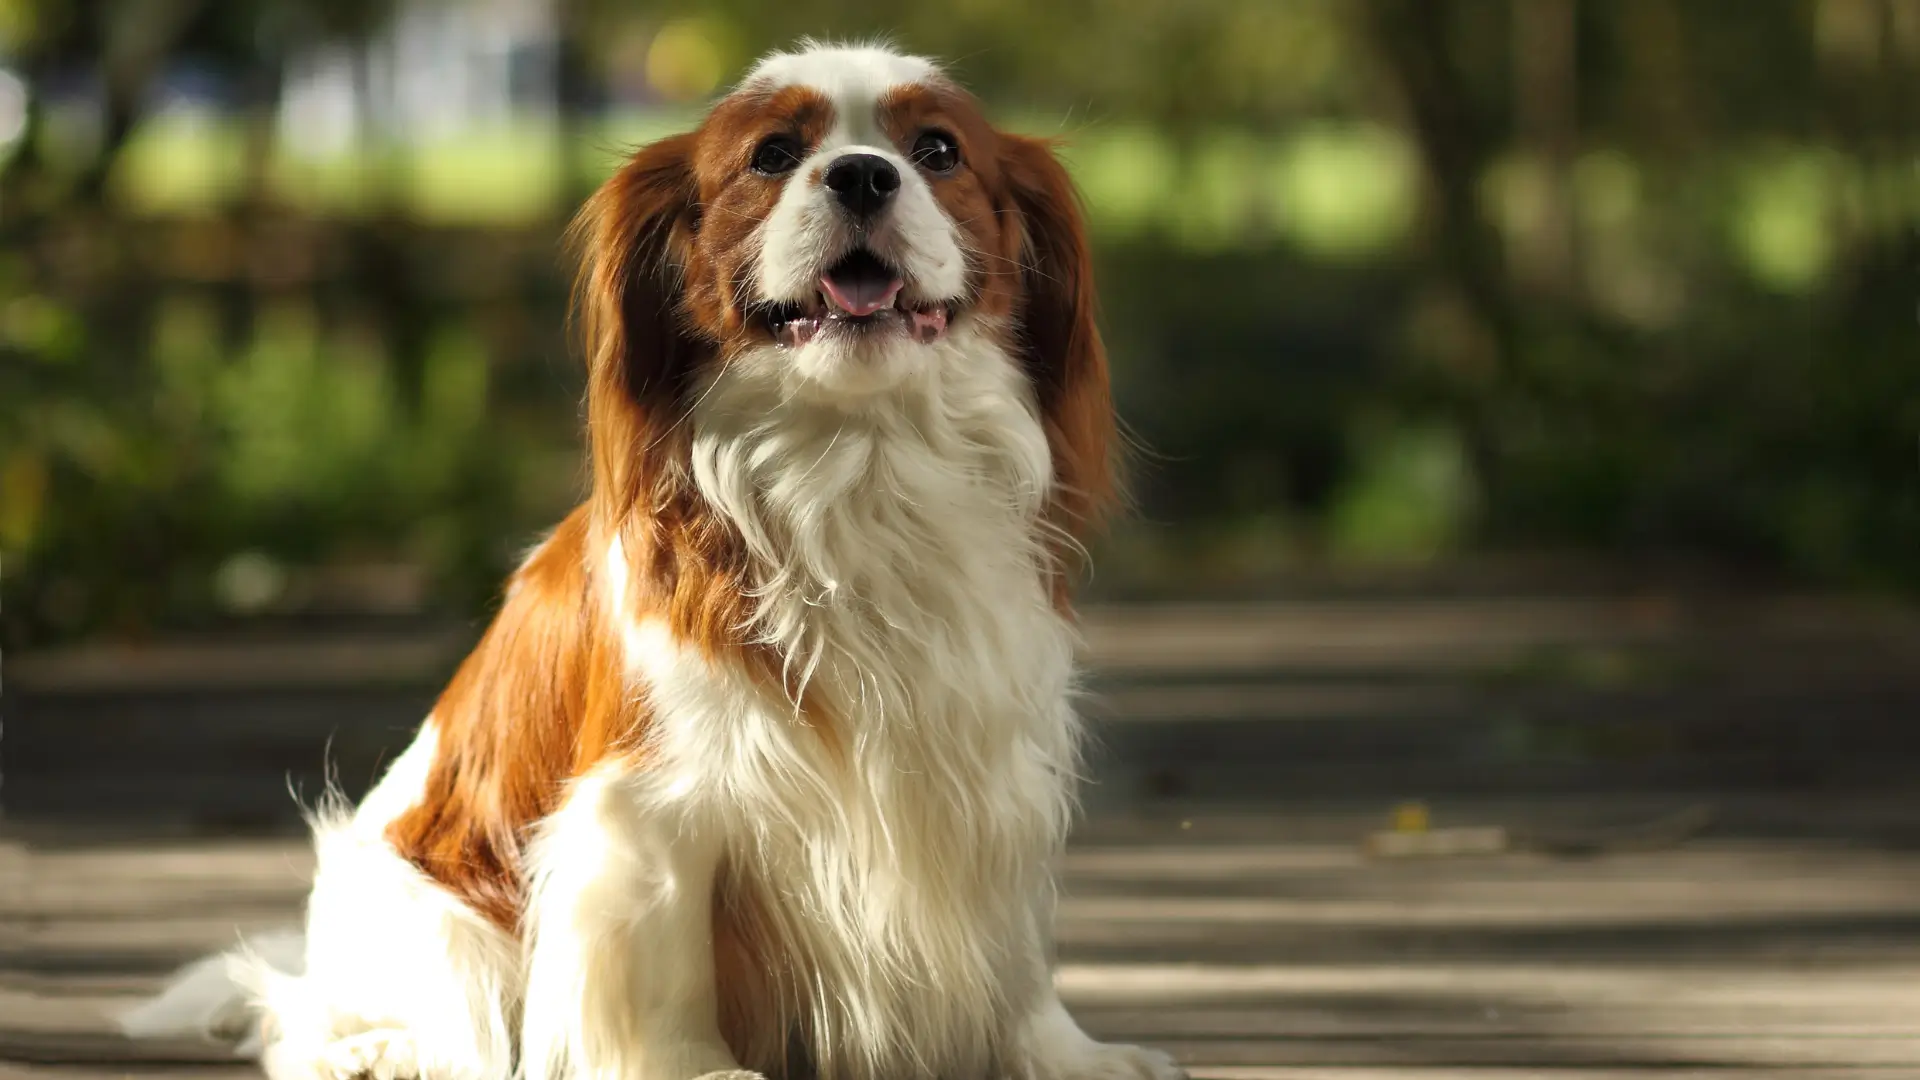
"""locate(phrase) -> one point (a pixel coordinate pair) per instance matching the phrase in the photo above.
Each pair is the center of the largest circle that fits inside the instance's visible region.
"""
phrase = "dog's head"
(845, 222)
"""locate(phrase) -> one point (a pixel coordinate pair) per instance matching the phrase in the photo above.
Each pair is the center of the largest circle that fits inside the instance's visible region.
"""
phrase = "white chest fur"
(901, 856)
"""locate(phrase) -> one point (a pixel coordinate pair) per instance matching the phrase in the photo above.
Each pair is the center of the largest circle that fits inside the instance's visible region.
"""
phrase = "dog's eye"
(936, 151)
(778, 154)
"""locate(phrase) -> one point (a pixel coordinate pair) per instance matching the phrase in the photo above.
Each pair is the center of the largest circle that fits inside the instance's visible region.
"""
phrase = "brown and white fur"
(765, 760)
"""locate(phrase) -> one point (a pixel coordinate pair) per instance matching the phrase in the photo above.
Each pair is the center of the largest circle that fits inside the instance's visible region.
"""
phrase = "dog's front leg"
(1053, 1047)
(620, 976)
(1050, 1044)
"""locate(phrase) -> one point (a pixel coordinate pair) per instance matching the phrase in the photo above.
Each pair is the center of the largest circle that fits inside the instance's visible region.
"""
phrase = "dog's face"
(853, 215)
(844, 221)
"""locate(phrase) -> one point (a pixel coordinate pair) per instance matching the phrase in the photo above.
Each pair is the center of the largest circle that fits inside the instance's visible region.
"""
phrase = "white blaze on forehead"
(847, 74)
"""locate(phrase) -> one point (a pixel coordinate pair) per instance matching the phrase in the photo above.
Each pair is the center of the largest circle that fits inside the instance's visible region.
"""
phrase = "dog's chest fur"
(881, 855)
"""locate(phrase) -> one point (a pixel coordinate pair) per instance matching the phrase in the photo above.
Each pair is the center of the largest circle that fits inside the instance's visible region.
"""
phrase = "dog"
(763, 767)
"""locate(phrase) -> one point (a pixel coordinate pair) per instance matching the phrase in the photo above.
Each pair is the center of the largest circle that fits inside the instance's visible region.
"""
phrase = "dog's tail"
(219, 997)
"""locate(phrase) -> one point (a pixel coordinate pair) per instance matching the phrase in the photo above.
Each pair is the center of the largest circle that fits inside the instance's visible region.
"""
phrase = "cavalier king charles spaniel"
(763, 767)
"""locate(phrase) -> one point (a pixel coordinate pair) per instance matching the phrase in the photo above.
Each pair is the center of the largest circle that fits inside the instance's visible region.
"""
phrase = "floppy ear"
(1060, 342)
(632, 237)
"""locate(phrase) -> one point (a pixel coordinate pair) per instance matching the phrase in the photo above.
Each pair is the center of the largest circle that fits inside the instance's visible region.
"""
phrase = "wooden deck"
(1220, 901)
(1251, 943)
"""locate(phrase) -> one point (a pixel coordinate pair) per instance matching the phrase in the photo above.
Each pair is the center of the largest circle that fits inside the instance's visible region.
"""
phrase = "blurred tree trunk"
(573, 85)
(1456, 143)
(136, 41)
(1868, 54)
(1653, 40)
(1546, 92)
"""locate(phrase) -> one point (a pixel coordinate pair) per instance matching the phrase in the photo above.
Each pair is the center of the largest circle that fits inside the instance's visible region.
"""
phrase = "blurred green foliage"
(1386, 282)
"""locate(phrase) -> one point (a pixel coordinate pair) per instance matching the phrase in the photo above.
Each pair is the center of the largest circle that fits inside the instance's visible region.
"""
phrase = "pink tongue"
(860, 297)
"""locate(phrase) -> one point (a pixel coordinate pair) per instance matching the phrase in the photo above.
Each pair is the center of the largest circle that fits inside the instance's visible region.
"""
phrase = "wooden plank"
(1432, 634)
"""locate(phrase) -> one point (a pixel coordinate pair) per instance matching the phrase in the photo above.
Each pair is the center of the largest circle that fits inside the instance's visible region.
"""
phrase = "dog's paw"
(1118, 1061)
(381, 1054)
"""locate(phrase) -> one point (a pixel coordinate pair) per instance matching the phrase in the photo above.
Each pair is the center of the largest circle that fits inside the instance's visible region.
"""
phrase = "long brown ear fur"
(1060, 340)
(631, 237)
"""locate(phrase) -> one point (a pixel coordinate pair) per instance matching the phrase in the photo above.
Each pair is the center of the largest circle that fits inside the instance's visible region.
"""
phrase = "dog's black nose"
(863, 183)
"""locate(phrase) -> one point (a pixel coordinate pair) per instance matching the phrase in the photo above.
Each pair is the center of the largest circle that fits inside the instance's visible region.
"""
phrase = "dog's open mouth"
(859, 294)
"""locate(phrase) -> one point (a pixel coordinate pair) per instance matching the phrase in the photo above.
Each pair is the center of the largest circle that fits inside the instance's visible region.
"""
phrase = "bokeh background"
(1527, 404)
(1393, 287)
